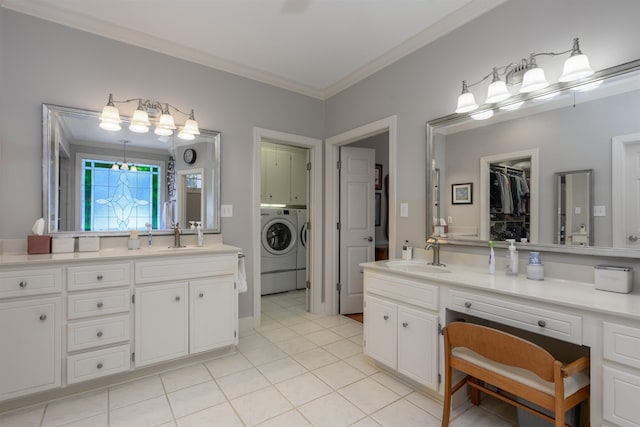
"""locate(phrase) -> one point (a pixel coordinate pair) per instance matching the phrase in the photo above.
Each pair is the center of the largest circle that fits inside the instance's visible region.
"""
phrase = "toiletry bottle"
(200, 234)
(407, 251)
(512, 259)
(492, 257)
(149, 236)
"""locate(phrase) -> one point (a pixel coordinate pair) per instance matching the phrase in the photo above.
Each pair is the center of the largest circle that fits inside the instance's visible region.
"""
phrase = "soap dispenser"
(512, 259)
(200, 233)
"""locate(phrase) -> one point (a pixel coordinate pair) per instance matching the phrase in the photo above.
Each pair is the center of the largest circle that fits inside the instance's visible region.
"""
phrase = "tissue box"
(613, 279)
(38, 244)
(62, 245)
(89, 244)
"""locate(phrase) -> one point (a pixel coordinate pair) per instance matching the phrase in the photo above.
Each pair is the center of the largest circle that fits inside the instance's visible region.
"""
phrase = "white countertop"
(578, 295)
(22, 259)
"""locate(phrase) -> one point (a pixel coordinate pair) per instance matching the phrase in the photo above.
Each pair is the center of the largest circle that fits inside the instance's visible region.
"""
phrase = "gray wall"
(426, 84)
(42, 62)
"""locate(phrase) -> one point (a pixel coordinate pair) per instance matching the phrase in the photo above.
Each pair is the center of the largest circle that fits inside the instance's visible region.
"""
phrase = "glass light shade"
(133, 168)
(165, 126)
(483, 115)
(576, 67)
(466, 103)
(189, 131)
(110, 118)
(115, 167)
(124, 167)
(186, 135)
(587, 86)
(533, 80)
(140, 122)
(497, 92)
(513, 106)
(547, 96)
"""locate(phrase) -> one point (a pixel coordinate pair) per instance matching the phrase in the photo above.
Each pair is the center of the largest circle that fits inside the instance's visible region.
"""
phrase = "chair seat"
(571, 384)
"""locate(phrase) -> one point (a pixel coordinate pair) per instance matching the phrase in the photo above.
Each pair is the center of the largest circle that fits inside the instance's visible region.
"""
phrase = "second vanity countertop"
(578, 295)
(22, 259)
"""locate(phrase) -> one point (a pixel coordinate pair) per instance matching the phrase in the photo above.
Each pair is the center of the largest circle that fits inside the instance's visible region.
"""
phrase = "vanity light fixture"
(140, 123)
(124, 166)
(527, 74)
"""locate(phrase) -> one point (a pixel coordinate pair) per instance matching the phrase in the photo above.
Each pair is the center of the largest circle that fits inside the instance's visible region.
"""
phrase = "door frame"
(314, 145)
(332, 202)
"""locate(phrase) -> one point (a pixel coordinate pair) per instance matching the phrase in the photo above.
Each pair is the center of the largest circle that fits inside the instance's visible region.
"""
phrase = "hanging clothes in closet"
(509, 191)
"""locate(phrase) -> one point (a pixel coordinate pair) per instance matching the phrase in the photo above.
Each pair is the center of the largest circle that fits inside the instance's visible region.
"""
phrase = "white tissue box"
(61, 245)
(613, 279)
(89, 244)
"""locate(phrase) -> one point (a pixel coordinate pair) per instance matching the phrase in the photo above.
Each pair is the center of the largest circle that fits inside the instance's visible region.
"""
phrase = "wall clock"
(189, 156)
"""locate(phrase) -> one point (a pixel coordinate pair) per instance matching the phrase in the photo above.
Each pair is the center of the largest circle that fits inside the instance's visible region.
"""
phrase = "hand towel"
(241, 279)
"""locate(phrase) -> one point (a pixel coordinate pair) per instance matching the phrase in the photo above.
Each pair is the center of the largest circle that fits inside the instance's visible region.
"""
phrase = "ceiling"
(313, 47)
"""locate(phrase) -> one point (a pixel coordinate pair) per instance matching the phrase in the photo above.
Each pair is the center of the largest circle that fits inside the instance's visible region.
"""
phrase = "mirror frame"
(430, 133)
(50, 165)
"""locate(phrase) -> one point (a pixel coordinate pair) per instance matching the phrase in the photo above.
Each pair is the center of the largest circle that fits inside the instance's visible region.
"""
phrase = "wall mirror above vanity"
(105, 182)
(575, 145)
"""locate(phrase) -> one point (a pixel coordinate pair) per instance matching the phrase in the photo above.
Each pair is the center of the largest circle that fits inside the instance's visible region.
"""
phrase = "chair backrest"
(501, 347)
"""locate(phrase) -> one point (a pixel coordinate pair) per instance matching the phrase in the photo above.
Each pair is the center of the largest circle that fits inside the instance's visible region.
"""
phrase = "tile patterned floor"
(298, 370)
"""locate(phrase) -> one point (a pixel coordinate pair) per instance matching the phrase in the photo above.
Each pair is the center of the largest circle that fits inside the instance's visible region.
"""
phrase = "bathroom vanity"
(407, 303)
(75, 317)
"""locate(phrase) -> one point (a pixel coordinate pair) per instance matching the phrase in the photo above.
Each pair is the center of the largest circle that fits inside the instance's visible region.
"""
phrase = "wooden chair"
(512, 365)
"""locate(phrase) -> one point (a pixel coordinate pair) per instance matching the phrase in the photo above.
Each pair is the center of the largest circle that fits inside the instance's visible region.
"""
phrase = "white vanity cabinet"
(621, 373)
(184, 306)
(30, 330)
(401, 326)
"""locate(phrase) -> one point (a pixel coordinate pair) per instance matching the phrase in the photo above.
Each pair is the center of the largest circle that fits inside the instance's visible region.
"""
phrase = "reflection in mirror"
(102, 182)
(574, 130)
(573, 216)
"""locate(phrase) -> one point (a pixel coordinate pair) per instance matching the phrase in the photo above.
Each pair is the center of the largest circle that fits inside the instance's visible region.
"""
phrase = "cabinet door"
(380, 331)
(299, 176)
(418, 346)
(30, 333)
(211, 313)
(621, 394)
(276, 175)
(161, 323)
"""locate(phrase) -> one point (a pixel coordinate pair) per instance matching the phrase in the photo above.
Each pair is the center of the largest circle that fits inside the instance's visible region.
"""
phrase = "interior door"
(626, 194)
(357, 222)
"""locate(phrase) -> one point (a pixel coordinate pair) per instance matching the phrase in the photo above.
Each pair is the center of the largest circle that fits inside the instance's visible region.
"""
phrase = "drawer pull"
(99, 334)
(177, 298)
(23, 284)
(100, 277)
(201, 295)
(386, 317)
(43, 317)
(99, 366)
(542, 323)
(99, 305)
(467, 304)
(405, 324)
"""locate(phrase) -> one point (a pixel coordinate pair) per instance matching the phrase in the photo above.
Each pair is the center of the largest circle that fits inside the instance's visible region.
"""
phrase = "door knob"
(405, 324)
(633, 238)
(201, 295)
(23, 284)
(467, 304)
(369, 239)
(178, 298)
(385, 317)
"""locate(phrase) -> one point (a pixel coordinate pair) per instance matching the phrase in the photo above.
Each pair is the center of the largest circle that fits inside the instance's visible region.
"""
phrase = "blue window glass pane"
(101, 177)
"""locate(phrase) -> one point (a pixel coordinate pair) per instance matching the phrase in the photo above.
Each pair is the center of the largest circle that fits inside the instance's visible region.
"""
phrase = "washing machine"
(279, 256)
(301, 265)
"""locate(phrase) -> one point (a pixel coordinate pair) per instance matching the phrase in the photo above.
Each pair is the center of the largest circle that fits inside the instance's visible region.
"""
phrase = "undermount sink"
(416, 266)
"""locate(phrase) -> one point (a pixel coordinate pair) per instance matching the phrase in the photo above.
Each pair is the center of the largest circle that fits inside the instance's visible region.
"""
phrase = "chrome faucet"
(435, 247)
(176, 235)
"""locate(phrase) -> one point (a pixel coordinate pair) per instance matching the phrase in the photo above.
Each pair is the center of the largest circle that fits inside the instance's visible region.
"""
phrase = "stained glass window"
(118, 200)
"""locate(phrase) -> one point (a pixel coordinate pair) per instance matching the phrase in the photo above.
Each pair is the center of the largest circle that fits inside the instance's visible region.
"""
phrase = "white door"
(626, 194)
(357, 223)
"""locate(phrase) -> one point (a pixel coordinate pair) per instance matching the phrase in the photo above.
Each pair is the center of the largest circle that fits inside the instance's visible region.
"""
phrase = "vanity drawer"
(95, 364)
(98, 276)
(563, 326)
(95, 333)
(97, 303)
(34, 281)
(181, 268)
(404, 290)
(622, 344)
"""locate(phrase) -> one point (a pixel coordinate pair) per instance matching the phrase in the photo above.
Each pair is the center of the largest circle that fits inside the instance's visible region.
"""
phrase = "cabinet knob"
(99, 305)
(386, 317)
(405, 324)
(99, 334)
(23, 284)
(43, 317)
(201, 295)
(177, 298)
(369, 239)
(100, 277)
(542, 323)
(467, 304)
(99, 366)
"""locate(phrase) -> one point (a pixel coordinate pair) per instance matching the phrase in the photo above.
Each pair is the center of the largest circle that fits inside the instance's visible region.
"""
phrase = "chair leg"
(474, 392)
(446, 406)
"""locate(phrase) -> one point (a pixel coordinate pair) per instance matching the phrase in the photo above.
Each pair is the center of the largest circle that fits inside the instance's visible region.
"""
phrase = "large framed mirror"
(585, 132)
(101, 182)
